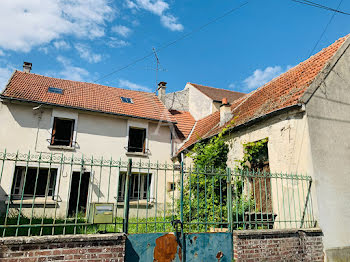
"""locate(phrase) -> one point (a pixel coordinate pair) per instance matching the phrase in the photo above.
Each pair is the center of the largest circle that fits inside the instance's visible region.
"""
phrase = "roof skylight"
(55, 90)
(126, 100)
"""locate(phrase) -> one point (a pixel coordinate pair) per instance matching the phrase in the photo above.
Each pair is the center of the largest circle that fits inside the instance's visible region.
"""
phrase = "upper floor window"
(62, 132)
(137, 140)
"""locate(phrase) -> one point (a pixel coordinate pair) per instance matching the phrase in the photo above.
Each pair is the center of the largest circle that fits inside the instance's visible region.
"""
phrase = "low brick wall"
(278, 245)
(103, 247)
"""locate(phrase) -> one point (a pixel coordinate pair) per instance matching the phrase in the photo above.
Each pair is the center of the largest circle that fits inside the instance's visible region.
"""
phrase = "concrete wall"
(97, 135)
(328, 114)
(200, 105)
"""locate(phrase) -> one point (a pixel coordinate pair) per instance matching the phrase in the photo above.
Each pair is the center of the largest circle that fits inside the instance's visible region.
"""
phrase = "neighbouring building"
(305, 116)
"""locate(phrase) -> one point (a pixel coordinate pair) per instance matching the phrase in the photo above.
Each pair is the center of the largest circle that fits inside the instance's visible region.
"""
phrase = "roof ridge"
(194, 84)
(83, 82)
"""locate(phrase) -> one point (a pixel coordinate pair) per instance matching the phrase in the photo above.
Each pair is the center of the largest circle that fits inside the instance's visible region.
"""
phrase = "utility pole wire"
(172, 42)
(325, 29)
(310, 3)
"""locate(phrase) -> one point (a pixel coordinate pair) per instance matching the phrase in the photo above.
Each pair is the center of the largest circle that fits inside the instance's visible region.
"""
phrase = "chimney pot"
(224, 101)
(27, 67)
(161, 91)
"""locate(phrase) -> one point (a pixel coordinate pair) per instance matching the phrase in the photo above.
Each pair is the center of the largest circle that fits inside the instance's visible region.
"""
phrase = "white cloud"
(129, 85)
(231, 86)
(25, 24)
(262, 76)
(61, 44)
(116, 43)
(170, 22)
(122, 30)
(2, 53)
(86, 54)
(159, 8)
(71, 72)
(5, 74)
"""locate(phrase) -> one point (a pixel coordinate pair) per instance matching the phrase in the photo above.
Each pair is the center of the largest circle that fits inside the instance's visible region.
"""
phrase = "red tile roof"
(185, 122)
(218, 94)
(201, 128)
(87, 96)
(283, 91)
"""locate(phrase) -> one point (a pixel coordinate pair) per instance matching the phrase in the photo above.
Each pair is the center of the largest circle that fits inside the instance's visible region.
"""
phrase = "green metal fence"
(51, 194)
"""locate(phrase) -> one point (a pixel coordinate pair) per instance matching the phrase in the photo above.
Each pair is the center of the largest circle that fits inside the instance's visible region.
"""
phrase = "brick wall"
(104, 247)
(278, 245)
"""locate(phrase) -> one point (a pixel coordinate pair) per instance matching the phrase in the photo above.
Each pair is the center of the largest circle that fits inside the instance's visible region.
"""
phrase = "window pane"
(137, 138)
(62, 133)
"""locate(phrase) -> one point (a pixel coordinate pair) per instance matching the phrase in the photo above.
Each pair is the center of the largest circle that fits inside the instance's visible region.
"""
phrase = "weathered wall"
(177, 100)
(109, 247)
(328, 113)
(289, 153)
(278, 245)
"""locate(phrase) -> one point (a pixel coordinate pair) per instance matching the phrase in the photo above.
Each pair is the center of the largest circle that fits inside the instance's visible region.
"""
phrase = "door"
(79, 195)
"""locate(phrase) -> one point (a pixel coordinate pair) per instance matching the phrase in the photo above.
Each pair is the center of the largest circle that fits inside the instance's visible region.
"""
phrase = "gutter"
(81, 108)
(254, 121)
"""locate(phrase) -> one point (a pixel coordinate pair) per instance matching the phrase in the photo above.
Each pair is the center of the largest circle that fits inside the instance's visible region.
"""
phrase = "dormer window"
(126, 100)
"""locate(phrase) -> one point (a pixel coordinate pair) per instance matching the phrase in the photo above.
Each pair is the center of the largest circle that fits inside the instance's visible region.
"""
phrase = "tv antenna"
(158, 68)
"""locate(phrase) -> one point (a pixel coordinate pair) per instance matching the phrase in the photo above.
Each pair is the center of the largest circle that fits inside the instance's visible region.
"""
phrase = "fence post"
(306, 202)
(126, 197)
(229, 199)
(182, 193)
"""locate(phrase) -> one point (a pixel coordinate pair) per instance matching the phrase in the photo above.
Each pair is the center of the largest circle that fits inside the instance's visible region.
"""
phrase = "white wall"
(329, 122)
(200, 105)
(97, 135)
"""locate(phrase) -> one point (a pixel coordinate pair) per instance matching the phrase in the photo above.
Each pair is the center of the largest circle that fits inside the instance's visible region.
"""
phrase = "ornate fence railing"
(51, 194)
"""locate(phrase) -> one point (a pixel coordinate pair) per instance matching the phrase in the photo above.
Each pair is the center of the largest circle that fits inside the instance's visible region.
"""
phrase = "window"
(55, 90)
(24, 182)
(62, 132)
(126, 100)
(140, 186)
(137, 140)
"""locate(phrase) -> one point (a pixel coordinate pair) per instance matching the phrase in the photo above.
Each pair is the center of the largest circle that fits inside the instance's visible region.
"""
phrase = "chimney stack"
(27, 67)
(161, 91)
(225, 112)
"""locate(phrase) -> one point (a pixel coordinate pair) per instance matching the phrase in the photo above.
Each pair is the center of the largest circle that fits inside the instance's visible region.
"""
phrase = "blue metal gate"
(160, 247)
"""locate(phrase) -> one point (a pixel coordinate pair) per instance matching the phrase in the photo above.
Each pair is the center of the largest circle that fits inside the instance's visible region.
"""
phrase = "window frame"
(42, 166)
(71, 140)
(57, 113)
(143, 182)
(137, 125)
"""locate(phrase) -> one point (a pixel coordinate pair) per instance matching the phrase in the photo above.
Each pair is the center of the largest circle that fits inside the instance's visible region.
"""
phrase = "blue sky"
(87, 39)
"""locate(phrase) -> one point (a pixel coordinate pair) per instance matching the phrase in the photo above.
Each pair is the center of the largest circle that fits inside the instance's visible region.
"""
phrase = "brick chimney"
(27, 67)
(161, 91)
(225, 112)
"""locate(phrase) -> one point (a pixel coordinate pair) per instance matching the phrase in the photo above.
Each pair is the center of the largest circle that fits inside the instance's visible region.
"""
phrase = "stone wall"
(108, 247)
(278, 245)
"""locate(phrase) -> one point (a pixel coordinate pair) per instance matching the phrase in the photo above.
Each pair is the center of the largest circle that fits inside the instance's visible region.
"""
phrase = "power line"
(325, 29)
(310, 3)
(172, 42)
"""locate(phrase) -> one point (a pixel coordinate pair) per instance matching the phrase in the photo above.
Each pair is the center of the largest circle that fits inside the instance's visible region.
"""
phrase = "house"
(304, 117)
(55, 118)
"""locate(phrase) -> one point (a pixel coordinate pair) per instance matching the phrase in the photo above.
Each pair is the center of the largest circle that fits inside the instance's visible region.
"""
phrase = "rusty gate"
(198, 247)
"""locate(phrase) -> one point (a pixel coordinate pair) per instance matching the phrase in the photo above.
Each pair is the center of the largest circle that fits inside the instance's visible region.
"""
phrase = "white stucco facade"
(97, 135)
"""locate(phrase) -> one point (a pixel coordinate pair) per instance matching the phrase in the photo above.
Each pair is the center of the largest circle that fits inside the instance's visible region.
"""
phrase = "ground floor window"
(33, 181)
(140, 186)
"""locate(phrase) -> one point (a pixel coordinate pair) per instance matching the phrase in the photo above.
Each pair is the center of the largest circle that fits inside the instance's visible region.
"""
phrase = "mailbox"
(101, 213)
